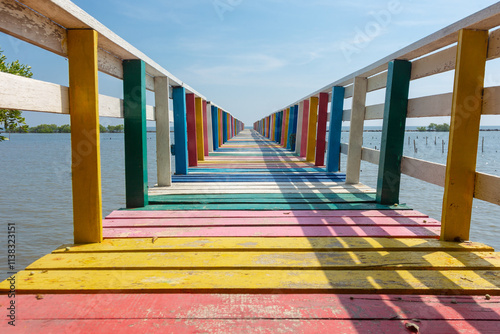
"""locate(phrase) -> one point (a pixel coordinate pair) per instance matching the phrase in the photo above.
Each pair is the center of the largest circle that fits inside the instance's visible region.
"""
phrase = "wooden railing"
(59, 26)
(465, 47)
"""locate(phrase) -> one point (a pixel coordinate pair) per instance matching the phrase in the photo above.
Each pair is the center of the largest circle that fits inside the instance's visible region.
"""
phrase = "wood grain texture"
(191, 130)
(464, 134)
(321, 130)
(200, 145)
(163, 158)
(134, 110)
(356, 131)
(85, 139)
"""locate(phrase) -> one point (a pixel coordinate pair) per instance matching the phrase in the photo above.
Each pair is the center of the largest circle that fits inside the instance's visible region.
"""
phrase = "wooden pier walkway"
(256, 240)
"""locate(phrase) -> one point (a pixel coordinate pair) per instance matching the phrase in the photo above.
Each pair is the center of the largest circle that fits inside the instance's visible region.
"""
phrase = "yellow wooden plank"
(381, 260)
(311, 132)
(85, 141)
(464, 133)
(199, 128)
(270, 244)
(332, 281)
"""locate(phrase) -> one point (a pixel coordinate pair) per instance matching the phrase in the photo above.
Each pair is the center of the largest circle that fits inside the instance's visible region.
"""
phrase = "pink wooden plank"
(254, 306)
(248, 326)
(337, 221)
(321, 132)
(264, 214)
(274, 231)
(191, 129)
(305, 126)
(205, 128)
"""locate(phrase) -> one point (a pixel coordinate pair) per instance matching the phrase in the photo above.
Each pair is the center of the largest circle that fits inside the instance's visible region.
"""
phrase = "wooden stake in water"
(414, 146)
(442, 148)
(482, 146)
(435, 140)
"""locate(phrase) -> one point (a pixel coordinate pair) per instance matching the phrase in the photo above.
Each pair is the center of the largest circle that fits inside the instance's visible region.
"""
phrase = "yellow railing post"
(85, 143)
(464, 133)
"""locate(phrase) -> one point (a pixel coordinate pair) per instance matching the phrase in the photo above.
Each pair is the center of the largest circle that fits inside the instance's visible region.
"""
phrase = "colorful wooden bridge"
(256, 232)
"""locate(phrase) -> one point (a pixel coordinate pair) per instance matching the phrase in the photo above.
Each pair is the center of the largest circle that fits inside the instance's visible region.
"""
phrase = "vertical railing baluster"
(321, 129)
(163, 158)
(180, 130)
(356, 130)
(134, 114)
(393, 131)
(335, 133)
(85, 139)
(466, 111)
(311, 131)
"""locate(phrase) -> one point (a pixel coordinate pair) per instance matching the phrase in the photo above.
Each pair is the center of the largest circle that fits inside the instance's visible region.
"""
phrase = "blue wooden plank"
(180, 130)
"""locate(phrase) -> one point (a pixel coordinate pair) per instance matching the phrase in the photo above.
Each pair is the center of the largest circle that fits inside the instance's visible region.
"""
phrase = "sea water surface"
(35, 181)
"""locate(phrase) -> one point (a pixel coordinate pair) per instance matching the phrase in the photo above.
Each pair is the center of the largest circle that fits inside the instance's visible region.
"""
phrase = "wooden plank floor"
(256, 240)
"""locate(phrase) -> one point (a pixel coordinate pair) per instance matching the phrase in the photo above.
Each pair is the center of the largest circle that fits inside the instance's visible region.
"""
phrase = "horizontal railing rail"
(464, 47)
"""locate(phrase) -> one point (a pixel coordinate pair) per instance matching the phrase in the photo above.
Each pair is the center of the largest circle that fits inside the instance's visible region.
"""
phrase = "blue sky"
(254, 57)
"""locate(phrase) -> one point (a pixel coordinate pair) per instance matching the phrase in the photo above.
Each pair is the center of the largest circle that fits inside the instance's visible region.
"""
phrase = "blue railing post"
(180, 130)
(335, 132)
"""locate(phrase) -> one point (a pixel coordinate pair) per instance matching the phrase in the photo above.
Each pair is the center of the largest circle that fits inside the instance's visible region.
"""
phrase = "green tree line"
(445, 127)
(66, 128)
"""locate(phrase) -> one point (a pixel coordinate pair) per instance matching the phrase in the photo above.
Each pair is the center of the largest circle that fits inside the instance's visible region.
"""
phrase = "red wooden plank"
(191, 130)
(321, 132)
(274, 231)
(249, 326)
(117, 214)
(205, 127)
(251, 221)
(305, 126)
(252, 306)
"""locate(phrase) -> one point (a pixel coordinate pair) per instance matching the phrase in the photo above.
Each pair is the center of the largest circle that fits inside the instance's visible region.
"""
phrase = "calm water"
(35, 180)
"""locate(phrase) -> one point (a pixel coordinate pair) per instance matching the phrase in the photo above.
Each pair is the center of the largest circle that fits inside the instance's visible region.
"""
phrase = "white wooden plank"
(375, 111)
(163, 159)
(209, 128)
(356, 130)
(370, 155)
(28, 94)
(349, 90)
(487, 188)
(438, 62)
(17, 92)
(346, 116)
(491, 101)
(344, 148)
(377, 82)
(428, 106)
(424, 170)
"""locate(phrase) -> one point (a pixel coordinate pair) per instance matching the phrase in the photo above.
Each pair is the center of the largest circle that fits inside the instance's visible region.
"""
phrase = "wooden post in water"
(393, 131)
(298, 139)
(134, 114)
(191, 129)
(163, 159)
(205, 128)
(200, 145)
(215, 127)
(210, 128)
(466, 111)
(356, 130)
(335, 133)
(305, 128)
(85, 141)
(311, 132)
(321, 129)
